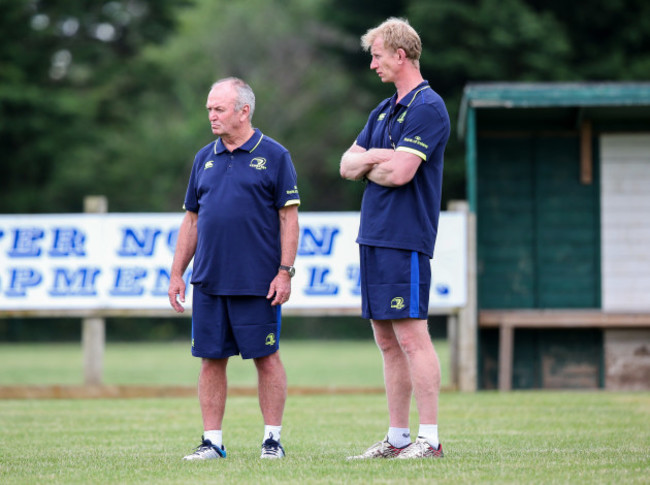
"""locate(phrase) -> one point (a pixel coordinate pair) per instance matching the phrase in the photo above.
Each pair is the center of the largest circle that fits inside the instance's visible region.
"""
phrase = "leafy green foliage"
(65, 79)
(506, 40)
(106, 97)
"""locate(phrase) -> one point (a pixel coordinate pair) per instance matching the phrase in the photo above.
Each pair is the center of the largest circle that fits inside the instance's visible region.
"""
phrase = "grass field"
(489, 437)
(308, 363)
(519, 437)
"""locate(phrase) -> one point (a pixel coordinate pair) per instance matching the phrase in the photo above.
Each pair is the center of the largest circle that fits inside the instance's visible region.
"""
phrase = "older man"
(241, 228)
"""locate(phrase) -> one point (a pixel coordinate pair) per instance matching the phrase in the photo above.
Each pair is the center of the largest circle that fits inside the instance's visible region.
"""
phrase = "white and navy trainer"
(272, 449)
(207, 451)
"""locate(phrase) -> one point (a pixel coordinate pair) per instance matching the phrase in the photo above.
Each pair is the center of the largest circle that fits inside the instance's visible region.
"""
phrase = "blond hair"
(397, 33)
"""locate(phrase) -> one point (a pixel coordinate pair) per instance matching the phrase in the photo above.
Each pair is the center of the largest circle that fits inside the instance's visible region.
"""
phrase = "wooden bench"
(507, 320)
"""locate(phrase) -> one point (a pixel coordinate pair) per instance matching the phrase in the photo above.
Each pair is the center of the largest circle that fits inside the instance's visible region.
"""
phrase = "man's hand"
(280, 288)
(176, 293)
(356, 162)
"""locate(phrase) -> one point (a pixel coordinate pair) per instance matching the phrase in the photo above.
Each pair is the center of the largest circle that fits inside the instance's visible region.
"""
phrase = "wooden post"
(93, 332)
(452, 342)
(506, 337)
(93, 342)
(464, 350)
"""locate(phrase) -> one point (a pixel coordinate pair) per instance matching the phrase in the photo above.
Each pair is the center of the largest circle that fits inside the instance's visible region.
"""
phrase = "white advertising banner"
(121, 262)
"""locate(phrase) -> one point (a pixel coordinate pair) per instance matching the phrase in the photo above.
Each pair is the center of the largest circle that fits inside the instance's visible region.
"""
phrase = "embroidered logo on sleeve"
(417, 141)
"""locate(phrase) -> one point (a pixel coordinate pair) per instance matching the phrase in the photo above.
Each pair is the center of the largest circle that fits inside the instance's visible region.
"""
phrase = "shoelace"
(205, 447)
(415, 448)
(271, 446)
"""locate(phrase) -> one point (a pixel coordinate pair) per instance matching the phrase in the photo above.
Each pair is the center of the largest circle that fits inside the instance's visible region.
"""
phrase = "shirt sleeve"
(191, 202)
(286, 183)
(424, 130)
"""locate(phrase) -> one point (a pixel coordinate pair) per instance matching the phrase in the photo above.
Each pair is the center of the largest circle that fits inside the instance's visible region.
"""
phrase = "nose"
(373, 64)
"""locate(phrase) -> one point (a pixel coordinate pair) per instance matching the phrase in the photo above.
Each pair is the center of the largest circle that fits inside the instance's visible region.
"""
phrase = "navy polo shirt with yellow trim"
(406, 217)
(237, 196)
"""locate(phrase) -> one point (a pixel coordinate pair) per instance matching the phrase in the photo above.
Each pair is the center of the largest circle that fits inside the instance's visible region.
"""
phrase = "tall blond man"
(399, 154)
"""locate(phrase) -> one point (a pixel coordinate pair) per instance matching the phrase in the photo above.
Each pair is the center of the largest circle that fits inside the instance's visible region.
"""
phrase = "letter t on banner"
(93, 333)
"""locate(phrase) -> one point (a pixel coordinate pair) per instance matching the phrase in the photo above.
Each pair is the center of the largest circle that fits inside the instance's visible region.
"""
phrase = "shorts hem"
(207, 355)
(393, 317)
(259, 356)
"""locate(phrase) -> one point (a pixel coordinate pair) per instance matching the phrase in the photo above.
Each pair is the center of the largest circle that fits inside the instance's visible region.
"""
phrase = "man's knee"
(385, 336)
(413, 336)
(268, 363)
(213, 364)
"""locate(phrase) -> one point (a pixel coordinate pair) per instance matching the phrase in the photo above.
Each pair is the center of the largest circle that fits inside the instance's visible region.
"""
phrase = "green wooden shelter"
(543, 168)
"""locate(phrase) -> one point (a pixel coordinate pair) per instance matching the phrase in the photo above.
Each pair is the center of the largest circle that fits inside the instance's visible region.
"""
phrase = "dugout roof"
(505, 104)
(521, 109)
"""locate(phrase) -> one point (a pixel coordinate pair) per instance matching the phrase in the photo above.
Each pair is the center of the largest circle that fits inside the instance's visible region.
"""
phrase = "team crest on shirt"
(208, 164)
(397, 303)
(258, 163)
(270, 339)
(381, 117)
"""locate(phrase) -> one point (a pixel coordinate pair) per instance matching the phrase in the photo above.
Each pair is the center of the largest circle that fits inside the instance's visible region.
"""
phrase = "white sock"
(215, 437)
(399, 437)
(430, 433)
(272, 432)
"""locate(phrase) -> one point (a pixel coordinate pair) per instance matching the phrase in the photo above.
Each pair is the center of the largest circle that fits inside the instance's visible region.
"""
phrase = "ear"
(245, 111)
(401, 54)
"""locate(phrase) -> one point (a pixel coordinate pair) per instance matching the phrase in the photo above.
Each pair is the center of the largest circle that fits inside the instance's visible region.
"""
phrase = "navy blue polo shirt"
(406, 217)
(237, 197)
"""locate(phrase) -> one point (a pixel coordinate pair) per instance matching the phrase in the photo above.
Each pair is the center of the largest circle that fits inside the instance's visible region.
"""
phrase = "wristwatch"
(289, 269)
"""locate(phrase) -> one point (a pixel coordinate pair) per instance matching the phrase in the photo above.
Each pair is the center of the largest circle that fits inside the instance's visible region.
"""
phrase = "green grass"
(518, 437)
(488, 437)
(329, 364)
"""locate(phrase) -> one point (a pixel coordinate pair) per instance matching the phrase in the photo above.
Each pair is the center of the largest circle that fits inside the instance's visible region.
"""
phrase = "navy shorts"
(223, 326)
(395, 283)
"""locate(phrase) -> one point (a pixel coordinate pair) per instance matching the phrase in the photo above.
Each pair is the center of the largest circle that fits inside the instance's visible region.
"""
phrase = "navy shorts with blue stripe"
(223, 326)
(395, 283)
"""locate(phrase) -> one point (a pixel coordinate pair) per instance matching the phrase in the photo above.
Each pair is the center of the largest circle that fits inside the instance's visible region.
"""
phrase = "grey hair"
(245, 94)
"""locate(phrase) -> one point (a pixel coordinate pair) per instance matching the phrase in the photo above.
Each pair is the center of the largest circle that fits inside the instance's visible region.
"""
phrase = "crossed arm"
(382, 166)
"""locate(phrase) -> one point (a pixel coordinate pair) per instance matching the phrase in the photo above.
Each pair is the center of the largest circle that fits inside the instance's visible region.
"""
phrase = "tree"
(506, 40)
(64, 78)
(303, 101)
(608, 39)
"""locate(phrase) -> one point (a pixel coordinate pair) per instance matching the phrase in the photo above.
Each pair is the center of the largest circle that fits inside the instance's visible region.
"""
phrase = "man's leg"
(398, 394)
(213, 387)
(424, 367)
(396, 373)
(212, 390)
(272, 388)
